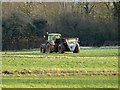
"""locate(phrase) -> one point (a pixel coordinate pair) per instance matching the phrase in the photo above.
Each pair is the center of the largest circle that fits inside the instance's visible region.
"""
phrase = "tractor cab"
(53, 36)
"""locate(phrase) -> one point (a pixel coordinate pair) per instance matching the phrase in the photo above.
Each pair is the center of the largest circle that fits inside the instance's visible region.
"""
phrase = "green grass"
(61, 82)
(83, 53)
(65, 63)
(88, 59)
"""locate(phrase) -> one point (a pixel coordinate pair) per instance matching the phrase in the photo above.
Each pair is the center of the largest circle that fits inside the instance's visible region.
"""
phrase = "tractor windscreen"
(53, 37)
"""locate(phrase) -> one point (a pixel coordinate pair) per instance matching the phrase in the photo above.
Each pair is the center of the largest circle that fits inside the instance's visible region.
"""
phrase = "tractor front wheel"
(42, 49)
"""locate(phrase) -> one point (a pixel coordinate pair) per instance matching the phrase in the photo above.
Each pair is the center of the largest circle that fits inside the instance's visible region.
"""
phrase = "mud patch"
(54, 57)
(61, 72)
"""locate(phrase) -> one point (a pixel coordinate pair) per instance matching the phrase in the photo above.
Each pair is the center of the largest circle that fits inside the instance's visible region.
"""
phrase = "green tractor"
(55, 43)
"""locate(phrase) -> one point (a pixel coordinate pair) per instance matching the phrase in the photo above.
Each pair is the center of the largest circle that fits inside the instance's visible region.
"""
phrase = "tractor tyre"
(56, 48)
(48, 48)
(61, 48)
(77, 49)
(42, 49)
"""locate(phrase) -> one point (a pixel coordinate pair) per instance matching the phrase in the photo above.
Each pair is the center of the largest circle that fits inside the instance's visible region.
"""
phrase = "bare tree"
(88, 7)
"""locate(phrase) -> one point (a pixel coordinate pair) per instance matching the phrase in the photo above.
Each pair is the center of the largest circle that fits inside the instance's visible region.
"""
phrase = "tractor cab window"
(53, 37)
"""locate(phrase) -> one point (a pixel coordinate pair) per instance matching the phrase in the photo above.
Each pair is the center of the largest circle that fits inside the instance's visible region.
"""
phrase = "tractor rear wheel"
(61, 48)
(48, 48)
(77, 49)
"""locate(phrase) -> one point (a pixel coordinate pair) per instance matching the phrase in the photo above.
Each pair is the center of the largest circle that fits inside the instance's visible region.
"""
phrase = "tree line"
(24, 24)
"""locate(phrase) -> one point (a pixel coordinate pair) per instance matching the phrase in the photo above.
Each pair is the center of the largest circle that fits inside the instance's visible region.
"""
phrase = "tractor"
(55, 43)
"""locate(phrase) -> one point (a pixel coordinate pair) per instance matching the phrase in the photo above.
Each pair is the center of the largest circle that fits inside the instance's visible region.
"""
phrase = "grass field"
(91, 68)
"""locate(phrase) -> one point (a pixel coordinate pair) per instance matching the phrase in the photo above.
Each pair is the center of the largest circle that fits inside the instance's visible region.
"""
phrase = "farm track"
(61, 72)
(41, 56)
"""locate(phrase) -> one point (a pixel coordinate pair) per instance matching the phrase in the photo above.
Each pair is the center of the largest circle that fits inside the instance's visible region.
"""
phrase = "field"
(91, 68)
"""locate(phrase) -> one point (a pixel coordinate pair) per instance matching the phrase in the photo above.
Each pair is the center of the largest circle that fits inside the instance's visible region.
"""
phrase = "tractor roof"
(54, 34)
